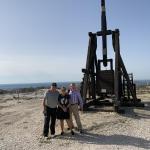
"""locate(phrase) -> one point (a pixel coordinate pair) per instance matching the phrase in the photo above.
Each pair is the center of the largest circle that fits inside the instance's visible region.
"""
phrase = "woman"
(63, 110)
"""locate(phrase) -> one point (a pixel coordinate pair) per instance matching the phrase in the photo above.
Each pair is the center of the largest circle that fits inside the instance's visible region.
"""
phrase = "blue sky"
(47, 40)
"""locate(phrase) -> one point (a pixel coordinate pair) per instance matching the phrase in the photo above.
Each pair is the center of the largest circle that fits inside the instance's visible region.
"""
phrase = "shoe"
(45, 136)
(52, 135)
(72, 132)
(81, 131)
(42, 137)
(62, 133)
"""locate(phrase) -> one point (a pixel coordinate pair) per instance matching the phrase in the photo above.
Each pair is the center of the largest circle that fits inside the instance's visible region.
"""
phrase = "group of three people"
(61, 105)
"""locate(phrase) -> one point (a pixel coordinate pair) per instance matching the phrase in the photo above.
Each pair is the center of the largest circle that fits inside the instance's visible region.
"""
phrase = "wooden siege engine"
(107, 87)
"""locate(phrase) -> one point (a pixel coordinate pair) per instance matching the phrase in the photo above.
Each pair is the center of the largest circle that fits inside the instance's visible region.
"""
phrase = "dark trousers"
(49, 114)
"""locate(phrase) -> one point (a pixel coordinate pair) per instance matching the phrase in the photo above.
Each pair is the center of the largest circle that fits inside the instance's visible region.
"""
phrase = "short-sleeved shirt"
(51, 99)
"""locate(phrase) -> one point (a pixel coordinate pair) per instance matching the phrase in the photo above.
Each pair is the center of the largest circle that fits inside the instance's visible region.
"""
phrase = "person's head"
(72, 86)
(53, 86)
(63, 90)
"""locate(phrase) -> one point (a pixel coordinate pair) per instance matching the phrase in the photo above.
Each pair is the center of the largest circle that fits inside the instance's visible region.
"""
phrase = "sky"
(47, 40)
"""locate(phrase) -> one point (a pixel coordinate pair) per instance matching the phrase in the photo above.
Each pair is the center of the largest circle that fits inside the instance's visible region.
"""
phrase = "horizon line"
(58, 82)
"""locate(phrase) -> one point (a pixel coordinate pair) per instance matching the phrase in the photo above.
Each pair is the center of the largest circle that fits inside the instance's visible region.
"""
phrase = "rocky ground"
(21, 124)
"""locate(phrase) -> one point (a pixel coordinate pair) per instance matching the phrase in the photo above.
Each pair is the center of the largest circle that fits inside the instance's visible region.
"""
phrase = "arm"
(43, 102)
(69, 101)
(60, 106)
(68, 105)
(59, 103)
(80, 101)
(44, 106)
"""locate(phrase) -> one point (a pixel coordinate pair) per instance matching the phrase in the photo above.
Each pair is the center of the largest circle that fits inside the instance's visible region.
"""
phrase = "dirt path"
(21, 127)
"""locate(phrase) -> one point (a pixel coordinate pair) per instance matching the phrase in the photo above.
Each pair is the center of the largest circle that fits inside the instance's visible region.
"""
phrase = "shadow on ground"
(129, 111)
(138, 112)
(90, 138)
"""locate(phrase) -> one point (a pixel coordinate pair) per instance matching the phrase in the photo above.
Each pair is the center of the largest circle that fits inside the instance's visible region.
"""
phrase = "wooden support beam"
(101, 33)
(125, 73)
(89, 75)
(117, 69)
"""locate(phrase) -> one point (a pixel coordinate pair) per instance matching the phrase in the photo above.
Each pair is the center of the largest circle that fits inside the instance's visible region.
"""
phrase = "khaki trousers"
(75, 111)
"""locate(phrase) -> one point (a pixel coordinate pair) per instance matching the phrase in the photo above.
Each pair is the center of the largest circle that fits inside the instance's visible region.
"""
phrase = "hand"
(44, 112)
(64, 109)
(81, 108)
